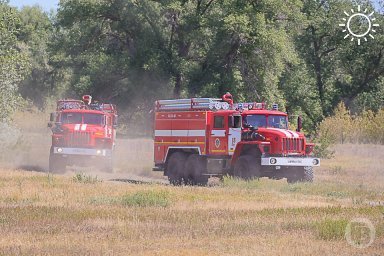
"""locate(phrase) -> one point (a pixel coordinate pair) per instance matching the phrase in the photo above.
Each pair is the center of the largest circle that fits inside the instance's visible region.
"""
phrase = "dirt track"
(133, 159)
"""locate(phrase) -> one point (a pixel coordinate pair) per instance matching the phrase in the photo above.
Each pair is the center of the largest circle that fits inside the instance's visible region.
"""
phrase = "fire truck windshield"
(80, 118)
(274, 121)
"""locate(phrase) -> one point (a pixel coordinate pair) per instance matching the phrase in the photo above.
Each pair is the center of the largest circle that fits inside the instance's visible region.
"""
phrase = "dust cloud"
(133, 157)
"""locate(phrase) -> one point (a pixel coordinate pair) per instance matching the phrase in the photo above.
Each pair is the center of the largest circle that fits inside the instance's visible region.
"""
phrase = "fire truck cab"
(83, 133)
(202, 137)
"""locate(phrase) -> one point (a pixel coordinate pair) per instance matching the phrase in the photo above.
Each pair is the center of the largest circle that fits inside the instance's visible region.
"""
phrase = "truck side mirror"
(231, 122)
(52, 117)
(50, 125)
(115, 122)
(299, 123)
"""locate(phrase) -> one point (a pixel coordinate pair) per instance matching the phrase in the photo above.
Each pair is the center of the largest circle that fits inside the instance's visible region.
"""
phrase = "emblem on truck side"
(217, 142)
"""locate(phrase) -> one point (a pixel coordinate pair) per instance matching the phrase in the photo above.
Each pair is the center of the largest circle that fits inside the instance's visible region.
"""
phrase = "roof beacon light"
(87, 99)
(259, 105)
(275, 106)
(228, 98)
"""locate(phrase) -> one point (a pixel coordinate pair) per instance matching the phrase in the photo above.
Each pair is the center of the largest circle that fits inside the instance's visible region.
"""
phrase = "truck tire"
(247, 167)
(56, 164)
(194, 169)
(300, 174)
(175, 168)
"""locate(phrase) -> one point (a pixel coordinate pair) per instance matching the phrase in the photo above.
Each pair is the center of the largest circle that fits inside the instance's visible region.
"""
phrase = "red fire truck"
(202, 137)
(83, 133)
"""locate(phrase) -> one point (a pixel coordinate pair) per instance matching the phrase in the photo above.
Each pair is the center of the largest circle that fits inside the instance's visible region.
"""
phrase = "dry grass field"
(85, 213)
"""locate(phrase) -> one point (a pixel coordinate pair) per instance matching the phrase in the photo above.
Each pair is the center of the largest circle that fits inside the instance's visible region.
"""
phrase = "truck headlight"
(315, 161)
(59, 150)
(98, 152)
(99, 134)
(273, 160)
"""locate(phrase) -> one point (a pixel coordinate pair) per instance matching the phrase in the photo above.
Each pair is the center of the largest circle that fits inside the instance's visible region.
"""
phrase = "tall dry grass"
(58, 215)
(55, 215)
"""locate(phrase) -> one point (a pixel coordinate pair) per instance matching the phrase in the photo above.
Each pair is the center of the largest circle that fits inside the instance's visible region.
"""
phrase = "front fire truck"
(202, 137)
(83, 133)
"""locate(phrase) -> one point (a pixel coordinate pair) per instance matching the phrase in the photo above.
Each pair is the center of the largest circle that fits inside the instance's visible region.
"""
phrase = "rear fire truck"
(202, 137)
(83, 133)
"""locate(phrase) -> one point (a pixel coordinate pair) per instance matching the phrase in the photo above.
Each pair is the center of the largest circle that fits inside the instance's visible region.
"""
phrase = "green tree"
(332, 68)
(291, 52)
(341, 68)
(250, 49)
(361, 86)
(111, 50)
(196, 47)
(35, 34)
(13, 63)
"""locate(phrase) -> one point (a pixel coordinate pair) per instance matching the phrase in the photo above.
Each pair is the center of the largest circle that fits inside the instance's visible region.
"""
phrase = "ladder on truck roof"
(191, 104)
(225, 103)
(67, 104)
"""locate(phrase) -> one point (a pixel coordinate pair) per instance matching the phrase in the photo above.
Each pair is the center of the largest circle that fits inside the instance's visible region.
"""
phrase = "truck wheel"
(300, 174)
(247, 167)
(195, 167)
(56, 164)
(175, 168)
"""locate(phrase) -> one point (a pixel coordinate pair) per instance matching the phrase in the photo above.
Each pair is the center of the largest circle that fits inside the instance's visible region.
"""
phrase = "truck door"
(218, 142)
(234, 132)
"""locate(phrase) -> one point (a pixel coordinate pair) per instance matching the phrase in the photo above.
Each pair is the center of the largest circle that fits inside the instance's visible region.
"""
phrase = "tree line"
(132, 52)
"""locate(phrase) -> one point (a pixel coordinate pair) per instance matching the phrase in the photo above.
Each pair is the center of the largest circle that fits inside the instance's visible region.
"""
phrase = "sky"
(47, 5)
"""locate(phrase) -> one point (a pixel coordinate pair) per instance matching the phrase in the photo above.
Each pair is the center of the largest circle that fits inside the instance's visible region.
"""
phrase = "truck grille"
(79, 139)
(292, 145)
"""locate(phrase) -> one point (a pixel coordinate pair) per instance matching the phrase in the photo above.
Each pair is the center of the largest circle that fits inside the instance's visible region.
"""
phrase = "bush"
(147, 198)
(342, 127)
(233, 182)
(323, 145)
(82, 178)
(331, 229)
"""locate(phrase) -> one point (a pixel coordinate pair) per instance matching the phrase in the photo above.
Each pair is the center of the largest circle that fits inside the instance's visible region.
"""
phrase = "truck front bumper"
(82, 151)
(290, 161)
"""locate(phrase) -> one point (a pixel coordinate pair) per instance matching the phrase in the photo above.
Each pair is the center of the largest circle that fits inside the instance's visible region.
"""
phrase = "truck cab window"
(256, 120)
(277, 122)
(93, 119)
(218, 122)
(71, 118)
